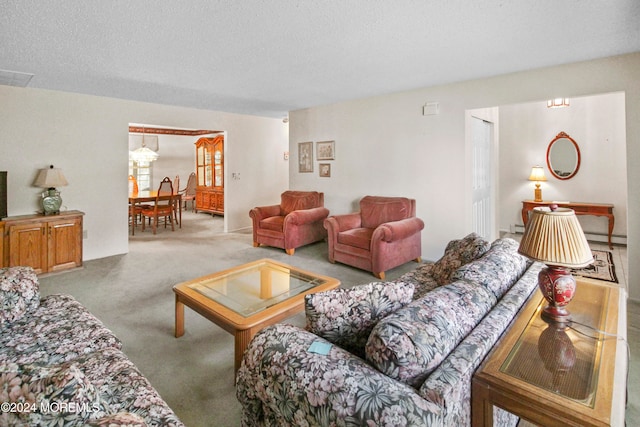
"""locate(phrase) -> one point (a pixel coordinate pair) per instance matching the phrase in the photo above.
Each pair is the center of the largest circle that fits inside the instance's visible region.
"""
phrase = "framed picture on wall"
(325, 169)
(326, 150)
(305, 157)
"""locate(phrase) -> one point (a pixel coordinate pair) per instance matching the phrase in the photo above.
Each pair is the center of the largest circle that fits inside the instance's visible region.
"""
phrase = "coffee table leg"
(242, 342)
(179, 331)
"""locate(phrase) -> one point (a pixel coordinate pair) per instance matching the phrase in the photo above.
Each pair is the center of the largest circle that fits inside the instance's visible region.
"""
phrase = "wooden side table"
(580, 208)
(554, 377)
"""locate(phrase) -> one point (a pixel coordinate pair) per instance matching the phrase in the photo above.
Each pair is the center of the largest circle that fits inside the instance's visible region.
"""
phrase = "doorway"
(482, 161)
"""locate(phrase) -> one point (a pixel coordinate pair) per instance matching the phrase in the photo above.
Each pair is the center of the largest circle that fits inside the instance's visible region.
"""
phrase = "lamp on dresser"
(554, 236)
(537, 175)
(50, 178)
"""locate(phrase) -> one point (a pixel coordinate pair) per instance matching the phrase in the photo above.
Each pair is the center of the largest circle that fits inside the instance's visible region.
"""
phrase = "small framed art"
(325, 169)
(305, 157)
(325, 150)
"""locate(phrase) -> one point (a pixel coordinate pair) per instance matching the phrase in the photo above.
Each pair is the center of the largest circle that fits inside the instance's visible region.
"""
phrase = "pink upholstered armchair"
(383, 235)
(295, 222)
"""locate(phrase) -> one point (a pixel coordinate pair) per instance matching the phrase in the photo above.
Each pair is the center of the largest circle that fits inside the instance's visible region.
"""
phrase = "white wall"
(87, 137)
(384, 145)
(597, 124)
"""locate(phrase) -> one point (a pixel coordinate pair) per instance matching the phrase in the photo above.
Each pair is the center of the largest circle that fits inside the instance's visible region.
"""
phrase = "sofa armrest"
(338, 223)
(19, 293)
(261, 212)
(281, 382)
(398, 230)
(306, 216)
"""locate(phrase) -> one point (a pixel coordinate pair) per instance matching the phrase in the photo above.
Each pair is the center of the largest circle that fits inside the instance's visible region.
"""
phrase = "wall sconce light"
(558, 103)
(537, 175)
(51, 178)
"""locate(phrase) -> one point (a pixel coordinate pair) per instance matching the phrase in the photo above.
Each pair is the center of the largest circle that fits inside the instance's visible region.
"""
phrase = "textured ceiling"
(269, 57)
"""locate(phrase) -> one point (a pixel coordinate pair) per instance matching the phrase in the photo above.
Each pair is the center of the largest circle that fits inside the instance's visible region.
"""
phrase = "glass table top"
(563, 361)
(254, 287)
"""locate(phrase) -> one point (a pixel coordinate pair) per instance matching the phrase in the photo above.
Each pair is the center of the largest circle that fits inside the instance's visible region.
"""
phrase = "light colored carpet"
(132, 294)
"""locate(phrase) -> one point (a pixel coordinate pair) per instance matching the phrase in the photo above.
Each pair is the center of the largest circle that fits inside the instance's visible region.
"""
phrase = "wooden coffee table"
(245, 299)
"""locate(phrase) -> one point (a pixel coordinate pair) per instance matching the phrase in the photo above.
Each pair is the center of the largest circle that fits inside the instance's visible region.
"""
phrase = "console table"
(580, 208)
(552, 376)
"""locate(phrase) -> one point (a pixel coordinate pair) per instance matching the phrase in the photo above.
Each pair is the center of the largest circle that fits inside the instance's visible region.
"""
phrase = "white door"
(482, 192)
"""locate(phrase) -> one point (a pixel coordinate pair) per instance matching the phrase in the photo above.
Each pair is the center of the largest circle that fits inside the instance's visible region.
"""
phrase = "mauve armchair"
(383, 235)
(295, 222)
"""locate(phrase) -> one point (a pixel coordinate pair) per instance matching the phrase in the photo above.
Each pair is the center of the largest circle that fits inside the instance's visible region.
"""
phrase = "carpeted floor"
(132, 294)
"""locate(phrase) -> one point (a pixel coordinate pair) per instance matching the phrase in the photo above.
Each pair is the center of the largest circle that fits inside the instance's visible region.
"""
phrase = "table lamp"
(553, 236)
(537, 175)
(50, 178)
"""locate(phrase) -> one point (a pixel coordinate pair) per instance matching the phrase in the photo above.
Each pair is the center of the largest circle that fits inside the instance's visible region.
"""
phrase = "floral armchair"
(384, 234)
(295, 222)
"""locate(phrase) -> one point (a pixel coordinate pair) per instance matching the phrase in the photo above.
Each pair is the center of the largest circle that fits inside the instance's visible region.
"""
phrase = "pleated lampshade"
(555, 238)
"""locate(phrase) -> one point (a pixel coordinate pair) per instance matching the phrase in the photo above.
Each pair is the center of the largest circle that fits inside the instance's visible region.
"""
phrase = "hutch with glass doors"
(210, 175)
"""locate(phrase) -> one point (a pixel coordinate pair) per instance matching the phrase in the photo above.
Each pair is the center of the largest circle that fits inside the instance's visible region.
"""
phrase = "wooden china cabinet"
(210, 175)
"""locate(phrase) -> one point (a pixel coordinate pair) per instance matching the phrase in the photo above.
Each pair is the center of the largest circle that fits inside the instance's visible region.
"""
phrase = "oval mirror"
(563, 156)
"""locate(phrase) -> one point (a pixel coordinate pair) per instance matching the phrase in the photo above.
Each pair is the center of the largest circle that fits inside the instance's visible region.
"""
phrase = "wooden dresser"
(210, 175)
(47, 243)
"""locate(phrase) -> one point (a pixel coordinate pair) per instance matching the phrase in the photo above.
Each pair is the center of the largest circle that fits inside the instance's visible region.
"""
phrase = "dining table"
(140, 197)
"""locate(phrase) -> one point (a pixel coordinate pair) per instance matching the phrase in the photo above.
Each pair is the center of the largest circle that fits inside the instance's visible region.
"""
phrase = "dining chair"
(176, 190)
(137, 209)
(163, 207)
(189, 192)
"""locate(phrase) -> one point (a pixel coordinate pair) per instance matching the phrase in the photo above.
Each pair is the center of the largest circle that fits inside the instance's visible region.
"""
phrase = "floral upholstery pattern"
(456, 254)
(19, 293)
(410, 343)
(48, 394)
(282, 383)
(421, 278)
(497, 269)
(450, 384)
(59, 330)
(57, 351)
(346, 317)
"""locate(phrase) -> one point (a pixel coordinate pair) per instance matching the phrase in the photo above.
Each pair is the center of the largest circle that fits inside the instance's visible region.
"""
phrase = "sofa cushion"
(54, 395)
(346, 316)
(458, 253)
(274, 223)
(59, 330)
(498, 269)
(296, 200)
(378, 210)
(19, 293)
(358, 237)
(410, 343)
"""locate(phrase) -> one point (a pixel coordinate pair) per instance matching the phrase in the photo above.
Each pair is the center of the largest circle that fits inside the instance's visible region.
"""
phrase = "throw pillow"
(19, 293)
(458, 253)
(498, 269)
(412, 342)
(346, 317)
(49, 395)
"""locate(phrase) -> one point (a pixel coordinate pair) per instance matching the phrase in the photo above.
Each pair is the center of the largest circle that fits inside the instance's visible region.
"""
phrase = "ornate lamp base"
(558, 287)
(51, 202)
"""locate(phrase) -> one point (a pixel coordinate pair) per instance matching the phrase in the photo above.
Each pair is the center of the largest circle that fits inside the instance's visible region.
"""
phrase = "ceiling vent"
(14, 78)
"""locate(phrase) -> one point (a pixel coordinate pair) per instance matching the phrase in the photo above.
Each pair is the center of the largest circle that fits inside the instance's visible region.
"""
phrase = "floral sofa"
(60, 366)
(396, 353)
